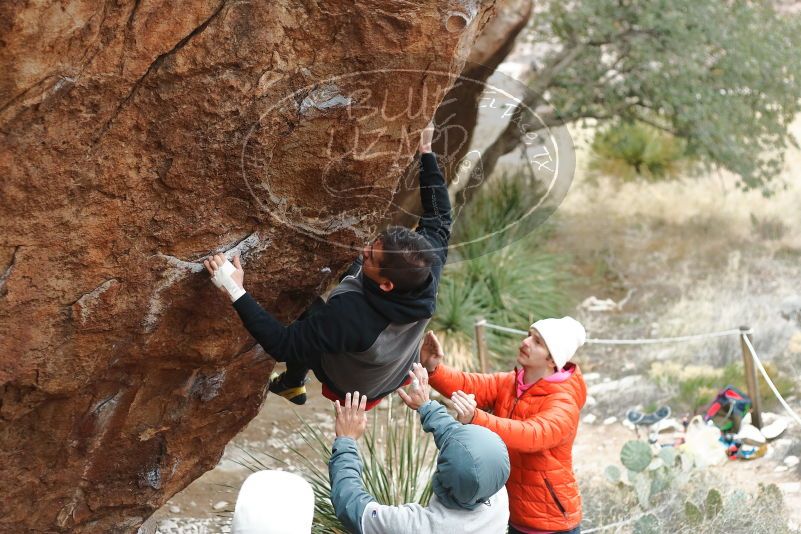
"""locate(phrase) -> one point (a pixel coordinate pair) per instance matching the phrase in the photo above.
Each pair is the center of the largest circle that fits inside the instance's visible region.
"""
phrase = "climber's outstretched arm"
(435, 222)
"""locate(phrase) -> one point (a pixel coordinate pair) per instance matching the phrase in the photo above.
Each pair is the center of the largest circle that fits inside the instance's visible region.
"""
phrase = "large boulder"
(136, 138)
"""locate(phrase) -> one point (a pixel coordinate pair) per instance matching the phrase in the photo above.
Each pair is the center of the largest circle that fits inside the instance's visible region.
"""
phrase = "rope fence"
(751, 361)
(642, 341)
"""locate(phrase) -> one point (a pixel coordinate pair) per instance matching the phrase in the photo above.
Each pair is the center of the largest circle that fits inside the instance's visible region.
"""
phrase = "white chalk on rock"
(175, 509)
(220, 505)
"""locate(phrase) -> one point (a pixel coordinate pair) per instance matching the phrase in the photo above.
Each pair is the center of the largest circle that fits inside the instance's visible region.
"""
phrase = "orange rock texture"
(137, 137)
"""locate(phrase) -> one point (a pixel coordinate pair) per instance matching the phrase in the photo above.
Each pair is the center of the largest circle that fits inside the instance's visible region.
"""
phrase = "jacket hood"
(473, 465)
(574, 385)
(402, 307)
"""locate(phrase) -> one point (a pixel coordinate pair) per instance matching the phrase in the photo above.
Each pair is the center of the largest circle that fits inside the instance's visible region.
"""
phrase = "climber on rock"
(367, 335)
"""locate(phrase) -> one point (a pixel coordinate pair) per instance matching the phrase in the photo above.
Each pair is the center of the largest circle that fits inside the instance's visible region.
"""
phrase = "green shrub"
(509, 279)
(631, 150)
(695, 386)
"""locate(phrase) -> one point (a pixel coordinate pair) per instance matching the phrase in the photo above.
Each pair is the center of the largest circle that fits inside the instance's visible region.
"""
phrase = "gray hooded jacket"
(469, 493)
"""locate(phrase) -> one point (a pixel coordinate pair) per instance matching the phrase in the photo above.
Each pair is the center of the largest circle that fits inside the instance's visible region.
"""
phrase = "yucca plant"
(507, 279)
(398, 458)
(631, 150)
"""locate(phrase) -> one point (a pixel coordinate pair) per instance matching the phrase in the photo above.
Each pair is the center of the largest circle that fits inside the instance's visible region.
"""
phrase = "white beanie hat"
(274, 502)
(562, 336)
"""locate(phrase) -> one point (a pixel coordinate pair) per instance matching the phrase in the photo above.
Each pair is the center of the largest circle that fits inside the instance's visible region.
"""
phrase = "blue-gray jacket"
(469, 493)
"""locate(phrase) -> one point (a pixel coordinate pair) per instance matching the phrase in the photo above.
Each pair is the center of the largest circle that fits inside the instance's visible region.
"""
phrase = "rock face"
(136, 138)
(458, 114)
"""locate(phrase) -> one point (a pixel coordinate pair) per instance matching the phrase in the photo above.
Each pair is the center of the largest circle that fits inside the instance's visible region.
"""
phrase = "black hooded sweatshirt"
(365, 339)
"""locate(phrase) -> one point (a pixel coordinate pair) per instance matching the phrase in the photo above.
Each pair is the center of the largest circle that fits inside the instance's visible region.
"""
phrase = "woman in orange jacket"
(535, 410)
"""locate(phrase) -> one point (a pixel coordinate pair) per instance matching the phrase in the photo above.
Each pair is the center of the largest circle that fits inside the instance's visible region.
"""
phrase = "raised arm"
(556, 422)
(334, 326)
(345, 467)
(435, 223)
(348, 495)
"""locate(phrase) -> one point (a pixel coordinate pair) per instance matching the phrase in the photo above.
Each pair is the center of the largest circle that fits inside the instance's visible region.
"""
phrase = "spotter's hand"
(465, 406)
(351, 419)
(419, 389)
(431, 353)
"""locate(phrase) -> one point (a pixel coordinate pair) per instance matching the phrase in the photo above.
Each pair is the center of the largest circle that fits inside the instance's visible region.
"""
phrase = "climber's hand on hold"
(426, 137)
(227, 276)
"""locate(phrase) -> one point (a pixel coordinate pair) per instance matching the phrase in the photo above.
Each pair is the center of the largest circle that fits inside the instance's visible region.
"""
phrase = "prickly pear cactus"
(713, 503)
(693, 513)
(636, 455)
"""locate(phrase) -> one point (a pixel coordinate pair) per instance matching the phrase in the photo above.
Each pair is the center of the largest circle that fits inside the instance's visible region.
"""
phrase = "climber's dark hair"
(407, 258)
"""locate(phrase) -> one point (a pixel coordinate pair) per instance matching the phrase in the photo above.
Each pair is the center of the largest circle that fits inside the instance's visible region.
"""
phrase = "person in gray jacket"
(469, 481)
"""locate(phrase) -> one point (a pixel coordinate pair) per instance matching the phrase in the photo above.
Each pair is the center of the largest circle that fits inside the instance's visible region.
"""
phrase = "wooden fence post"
(481, 343)
(751, 380)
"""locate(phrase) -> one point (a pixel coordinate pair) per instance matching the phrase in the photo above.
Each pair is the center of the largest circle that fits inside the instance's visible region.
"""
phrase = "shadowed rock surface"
(136, 138)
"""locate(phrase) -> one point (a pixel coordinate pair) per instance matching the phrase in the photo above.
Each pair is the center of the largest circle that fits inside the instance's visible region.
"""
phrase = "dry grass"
(761, 512)
(698, 254)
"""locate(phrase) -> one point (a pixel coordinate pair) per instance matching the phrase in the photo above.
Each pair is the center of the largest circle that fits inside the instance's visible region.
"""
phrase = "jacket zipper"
(554, 497)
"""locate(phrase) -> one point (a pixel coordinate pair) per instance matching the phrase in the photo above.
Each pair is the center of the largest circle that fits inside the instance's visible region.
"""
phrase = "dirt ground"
(597, 445)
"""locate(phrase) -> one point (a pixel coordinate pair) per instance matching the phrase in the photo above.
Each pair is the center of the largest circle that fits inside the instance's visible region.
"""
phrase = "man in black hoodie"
(366, 336)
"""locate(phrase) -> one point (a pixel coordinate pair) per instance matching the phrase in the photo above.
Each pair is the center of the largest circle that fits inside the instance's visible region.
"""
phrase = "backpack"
(728, 408)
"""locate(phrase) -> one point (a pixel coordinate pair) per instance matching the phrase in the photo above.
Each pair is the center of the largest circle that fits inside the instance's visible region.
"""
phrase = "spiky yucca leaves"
(509, 279)
(633, 150)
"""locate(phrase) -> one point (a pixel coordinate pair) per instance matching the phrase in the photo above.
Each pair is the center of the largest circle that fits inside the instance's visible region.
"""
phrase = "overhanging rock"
(138, 137)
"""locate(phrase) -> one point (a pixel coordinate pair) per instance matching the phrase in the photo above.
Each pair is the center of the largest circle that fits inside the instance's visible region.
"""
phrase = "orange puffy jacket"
(538, 429)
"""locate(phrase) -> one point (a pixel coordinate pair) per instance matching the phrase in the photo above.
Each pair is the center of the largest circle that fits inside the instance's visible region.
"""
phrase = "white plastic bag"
(703, 442)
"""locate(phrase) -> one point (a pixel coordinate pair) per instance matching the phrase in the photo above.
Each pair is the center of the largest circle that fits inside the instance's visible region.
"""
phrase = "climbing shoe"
(294, 394)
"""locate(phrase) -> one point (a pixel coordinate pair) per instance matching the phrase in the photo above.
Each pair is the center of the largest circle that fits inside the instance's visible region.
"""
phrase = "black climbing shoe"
(294, 394)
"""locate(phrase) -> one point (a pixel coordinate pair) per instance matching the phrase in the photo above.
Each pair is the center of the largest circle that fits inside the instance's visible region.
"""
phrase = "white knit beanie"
(562, 336)
(274, 502)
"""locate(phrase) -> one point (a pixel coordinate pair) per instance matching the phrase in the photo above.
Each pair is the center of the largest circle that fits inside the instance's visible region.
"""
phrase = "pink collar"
(559, 376)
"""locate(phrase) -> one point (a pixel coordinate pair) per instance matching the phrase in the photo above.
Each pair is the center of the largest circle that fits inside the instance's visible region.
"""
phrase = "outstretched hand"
(419, 390)
(431, 353)
(351, 419)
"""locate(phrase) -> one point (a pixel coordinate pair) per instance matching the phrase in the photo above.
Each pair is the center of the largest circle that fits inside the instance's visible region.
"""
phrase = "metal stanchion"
(481, 343)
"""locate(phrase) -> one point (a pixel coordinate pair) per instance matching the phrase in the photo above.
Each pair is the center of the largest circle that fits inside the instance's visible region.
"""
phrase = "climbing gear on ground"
(728, 409)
